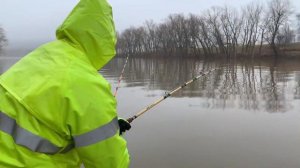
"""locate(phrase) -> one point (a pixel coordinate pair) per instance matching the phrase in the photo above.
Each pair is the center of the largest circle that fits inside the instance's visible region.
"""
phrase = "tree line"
(218, 31)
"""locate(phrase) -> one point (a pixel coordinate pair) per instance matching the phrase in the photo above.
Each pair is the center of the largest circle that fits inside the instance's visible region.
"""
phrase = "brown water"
(244, 115)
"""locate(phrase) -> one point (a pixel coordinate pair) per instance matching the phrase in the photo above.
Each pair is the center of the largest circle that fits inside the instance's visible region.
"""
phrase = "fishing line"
(121, 77)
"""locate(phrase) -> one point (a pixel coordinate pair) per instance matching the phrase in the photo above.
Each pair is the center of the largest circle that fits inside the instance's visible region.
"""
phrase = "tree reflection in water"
(268, 85)
(297, 88)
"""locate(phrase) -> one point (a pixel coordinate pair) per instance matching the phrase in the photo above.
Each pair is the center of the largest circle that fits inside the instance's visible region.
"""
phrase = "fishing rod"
(168, 94)
(121, 77)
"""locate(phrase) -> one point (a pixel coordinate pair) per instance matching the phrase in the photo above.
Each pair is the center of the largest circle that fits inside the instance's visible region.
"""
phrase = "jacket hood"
(90, 27)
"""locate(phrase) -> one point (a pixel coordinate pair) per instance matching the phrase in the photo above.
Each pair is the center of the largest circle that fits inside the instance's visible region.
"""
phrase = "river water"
(246, 114)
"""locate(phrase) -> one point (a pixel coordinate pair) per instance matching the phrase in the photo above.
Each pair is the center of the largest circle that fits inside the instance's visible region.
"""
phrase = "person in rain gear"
(56, 110)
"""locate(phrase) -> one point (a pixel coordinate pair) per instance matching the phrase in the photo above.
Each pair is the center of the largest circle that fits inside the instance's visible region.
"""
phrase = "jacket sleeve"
(93, 122)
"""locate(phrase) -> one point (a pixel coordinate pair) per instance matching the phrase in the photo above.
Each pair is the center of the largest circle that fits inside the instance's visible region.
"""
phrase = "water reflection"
(266, 85)
(297, 89)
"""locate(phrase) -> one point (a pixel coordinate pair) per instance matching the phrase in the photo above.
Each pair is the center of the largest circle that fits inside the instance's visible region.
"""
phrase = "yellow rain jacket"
(56, 110)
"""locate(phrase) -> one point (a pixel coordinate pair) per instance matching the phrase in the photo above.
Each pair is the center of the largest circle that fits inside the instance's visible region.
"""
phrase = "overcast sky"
(29, 23)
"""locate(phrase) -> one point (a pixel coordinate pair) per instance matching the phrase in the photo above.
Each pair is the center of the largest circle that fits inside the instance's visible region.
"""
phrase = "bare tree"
(179, 33)
(214, 23)
(262, 29)
(231, 25)
(252, 30)
(286, 36)
(151, 39)
(193, 27)
(206, 38)
(278, 14)
(164, 41)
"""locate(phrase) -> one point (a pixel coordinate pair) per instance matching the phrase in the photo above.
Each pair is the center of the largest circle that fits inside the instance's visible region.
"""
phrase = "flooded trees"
(277, 16)
(219, 31)
(178, 33)
(132, 41)
(231, 25)
(193, 27)
(150, 37)
(251, 20)
(214, 24)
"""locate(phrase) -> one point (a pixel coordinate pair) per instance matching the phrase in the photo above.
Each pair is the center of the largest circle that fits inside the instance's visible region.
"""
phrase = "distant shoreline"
(287, 51)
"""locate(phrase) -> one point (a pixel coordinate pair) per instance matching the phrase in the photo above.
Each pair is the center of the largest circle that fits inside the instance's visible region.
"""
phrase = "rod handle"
(131, 119)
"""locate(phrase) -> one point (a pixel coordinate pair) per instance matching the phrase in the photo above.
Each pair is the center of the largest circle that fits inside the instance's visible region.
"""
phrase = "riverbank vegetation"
(255, 30)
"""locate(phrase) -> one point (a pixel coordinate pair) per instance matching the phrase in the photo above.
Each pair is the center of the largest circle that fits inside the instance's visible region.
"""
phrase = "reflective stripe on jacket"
(56, 110)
